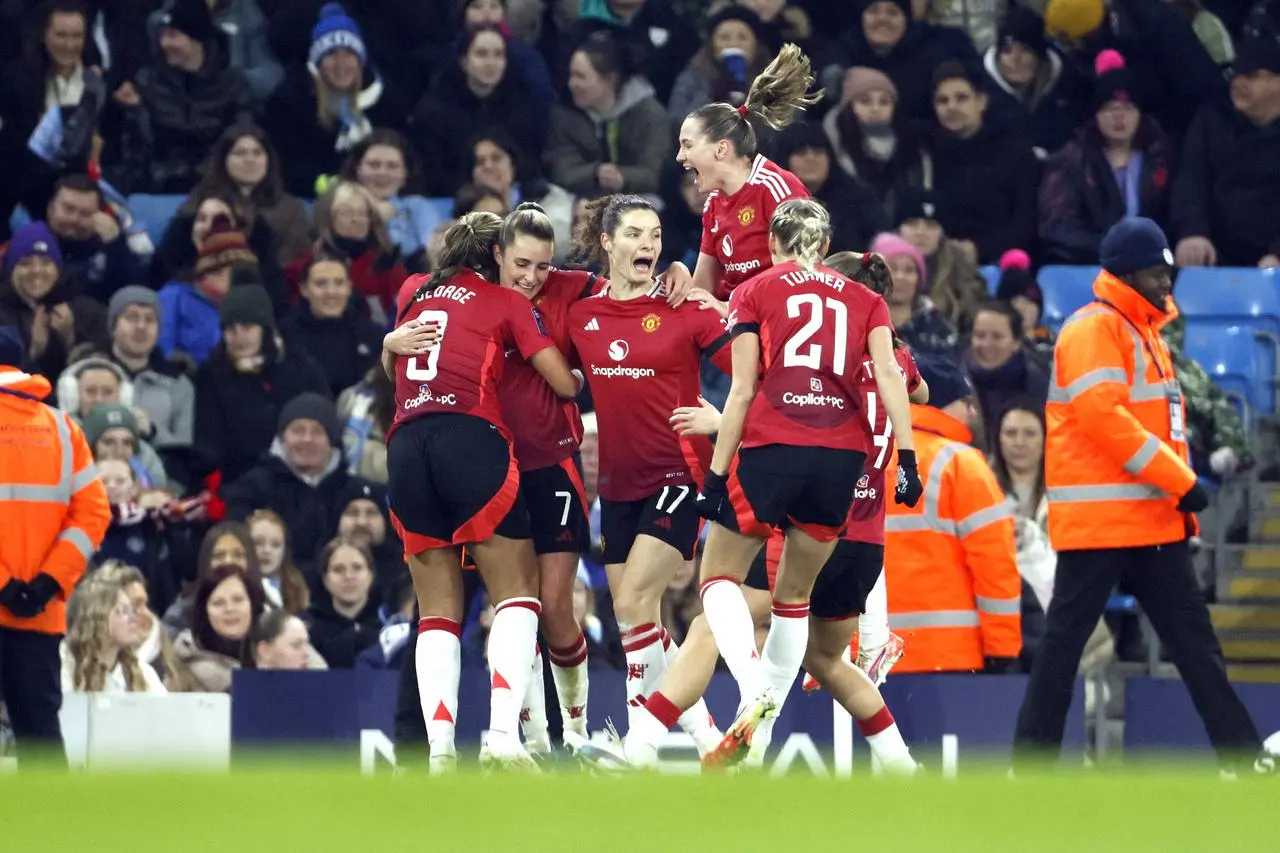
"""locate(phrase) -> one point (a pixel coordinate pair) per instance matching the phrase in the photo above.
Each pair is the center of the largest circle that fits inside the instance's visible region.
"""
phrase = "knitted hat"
(1073, 19)
(947, 381)
(915, 203)
(743, 14)
(1024, 27)
(105, 416)
(247, 303)
(131, 294)
(891, 245)
(1135, 243)
(192, 18)
(335, 30)
(1258, 48)
(1113, 81)
(32, 239)
(363, 490)
(860, 80)
(904, 5)
(1016, 278)
(222, 247)
(13, 353)
(312, 406)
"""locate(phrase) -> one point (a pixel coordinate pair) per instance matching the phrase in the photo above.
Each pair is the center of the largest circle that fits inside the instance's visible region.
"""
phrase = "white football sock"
(533, 716)
(512, 641)
(730, 622)
(438, 659)
(873, 624)
(569, 671)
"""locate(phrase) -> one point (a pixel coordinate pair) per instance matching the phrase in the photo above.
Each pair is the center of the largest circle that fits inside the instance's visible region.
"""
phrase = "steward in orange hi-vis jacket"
(1122, 496)
(53, 515)
(950, 564)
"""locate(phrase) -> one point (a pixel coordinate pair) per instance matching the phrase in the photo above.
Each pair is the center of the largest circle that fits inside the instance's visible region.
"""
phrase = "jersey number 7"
(426, 374)
(811, 357)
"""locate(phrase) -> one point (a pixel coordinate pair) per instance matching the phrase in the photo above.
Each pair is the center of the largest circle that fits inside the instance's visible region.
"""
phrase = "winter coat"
(909, 166)
(1055, 108)
(90, 325)
(294, 232)
(636, 138)
(344, 347)
(376, 277)
(1227, 186)
(160, 548)
(237, 413)
(340, 639)
(364, 441)
(188, 322)
(175, 256)
(659, 39)
(1020, 376)
(985, 189)
(311, 512)
(101, 268)
(449, 116)
(1080, 198)
(929, 332)
(163, 391)
(182, 114)
(205, 671)
(244, 29)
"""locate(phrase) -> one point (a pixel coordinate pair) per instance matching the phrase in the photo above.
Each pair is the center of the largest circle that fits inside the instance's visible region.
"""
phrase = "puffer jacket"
(636, 138)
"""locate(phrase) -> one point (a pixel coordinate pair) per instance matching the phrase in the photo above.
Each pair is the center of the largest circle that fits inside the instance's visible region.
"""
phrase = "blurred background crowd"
(209, 205)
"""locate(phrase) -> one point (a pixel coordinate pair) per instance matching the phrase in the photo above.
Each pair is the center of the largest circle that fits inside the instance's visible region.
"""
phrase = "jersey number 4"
(425, 374)
(811, 354)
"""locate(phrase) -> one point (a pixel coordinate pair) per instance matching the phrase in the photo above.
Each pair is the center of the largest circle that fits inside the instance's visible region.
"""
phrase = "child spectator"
(282, 582)
(917, 320)
(1020, 289)
(154, 646)
(98, 654)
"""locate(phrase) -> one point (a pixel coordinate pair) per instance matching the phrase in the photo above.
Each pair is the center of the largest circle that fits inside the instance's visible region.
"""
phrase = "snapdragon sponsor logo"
(622, 372)
(811, 399)
(742, 266)
(425, 396)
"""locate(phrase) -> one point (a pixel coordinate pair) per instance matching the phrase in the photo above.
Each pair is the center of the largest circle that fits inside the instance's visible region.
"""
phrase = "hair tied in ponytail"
(866, 259)
(744, 111)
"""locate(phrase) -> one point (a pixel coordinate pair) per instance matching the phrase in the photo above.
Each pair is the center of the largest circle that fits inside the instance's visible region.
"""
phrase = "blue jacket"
(188, 321)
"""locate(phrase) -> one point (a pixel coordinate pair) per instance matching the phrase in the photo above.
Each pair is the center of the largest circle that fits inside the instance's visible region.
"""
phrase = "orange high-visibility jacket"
(1116, 456)
(53, 507)
(955, 595)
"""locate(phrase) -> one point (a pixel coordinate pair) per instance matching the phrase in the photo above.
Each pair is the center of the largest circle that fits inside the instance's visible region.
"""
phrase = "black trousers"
(31, 685)
(1161, 577)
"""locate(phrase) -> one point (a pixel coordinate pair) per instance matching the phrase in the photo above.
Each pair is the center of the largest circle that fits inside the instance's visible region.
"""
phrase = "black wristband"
(907, 458)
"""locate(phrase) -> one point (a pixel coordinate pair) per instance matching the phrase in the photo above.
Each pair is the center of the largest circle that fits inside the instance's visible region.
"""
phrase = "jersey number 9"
(811, 356)
(427, 373)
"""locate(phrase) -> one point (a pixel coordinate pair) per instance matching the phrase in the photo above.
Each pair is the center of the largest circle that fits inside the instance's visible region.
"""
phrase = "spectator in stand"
(323, 110)
(469, 197)
(1225, 193)
(98, 654)
(282, 582)
(112, 432)
(1034, 93)
(227, 603)
(615, 137)
(179, 248)
(96, 380)
(179, 104)
(352, 229)
(330, 326)
(53, 319)
(244, 165)
(737, 49)
(344, 621)
(955, 284)
(790, 20)
(304, 480)
(917, 320)
(874, 141)
(1173, 75)
(384, 164)
(249, 378)
(1117, 166)
(226, 542)
(366, 410)
(657, 38)
(154, 646)
(1020, 289)
(51, 71)
(189, 309)
(364, 521)
(525, 60)
(681, 216)
(93, 247)
(856, 214)
(1000, 365)
(161, 389)
(984, 180)
(244, 30)
(907, 51)
(279, 640)
(496, 164)
(471, 96)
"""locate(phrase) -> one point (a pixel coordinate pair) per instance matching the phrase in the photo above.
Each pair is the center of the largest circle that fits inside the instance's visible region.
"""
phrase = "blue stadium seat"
(1065, 289)
(992, 275)
(1247, 295)
(1239, 363)
(19, 218)
(155, 211)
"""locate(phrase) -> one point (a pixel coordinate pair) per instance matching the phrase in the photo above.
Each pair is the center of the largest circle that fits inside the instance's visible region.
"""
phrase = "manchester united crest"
(651, 322)
(746, 216)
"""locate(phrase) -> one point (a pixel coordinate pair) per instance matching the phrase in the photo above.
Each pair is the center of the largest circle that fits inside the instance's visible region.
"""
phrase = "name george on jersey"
(456, 292)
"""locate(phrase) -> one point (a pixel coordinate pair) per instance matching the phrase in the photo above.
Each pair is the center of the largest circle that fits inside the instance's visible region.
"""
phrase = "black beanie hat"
(13, 352)
(915, 203)
(248, 303)
(1024, 27)
(312, 406)
(192, 18)
(1113, 80)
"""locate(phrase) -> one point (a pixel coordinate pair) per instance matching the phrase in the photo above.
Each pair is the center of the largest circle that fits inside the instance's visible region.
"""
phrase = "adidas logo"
(593, 325)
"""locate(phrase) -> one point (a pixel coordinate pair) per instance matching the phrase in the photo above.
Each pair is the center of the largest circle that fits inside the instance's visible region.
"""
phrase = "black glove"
(41, 591)
(999, 666)
(1196, 500)
(909, 488)
(713, 496)
(17, 598)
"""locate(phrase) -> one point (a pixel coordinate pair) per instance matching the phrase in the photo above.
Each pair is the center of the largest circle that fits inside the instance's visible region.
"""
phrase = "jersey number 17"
(881, 439)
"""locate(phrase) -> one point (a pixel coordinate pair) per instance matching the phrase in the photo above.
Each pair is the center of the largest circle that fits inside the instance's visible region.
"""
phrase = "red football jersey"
(546, 428)
(478, 321)
(735, 228)
(866, 516)
(813, 328)
(643, 358)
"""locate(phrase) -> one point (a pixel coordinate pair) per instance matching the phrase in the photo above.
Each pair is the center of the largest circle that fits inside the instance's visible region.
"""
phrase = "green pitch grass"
(316, 809)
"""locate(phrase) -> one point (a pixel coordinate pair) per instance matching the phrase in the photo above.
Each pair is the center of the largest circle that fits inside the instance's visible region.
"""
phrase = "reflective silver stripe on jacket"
(79, 539)
(1135, 463)
(84, 477)
(929, 518)
(934, 619)
(61, 491)
(980, 519)
(1105, 492)
(999, 606)
(1140, 390)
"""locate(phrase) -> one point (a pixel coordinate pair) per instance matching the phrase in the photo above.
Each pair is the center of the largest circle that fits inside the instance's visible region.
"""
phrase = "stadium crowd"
(225, 370)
